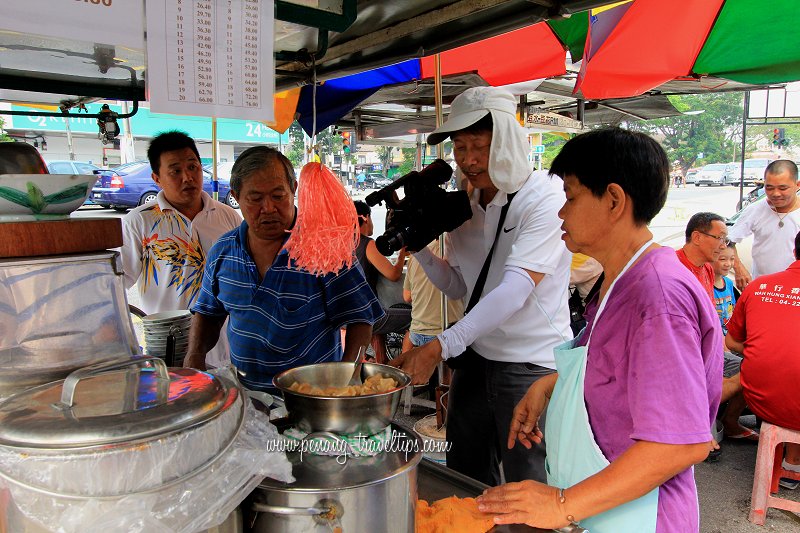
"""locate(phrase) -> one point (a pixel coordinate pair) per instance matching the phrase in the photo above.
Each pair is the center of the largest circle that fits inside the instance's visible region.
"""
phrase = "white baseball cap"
(509, 167)
(471, 106)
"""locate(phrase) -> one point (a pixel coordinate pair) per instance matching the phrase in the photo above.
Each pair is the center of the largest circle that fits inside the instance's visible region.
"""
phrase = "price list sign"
(211, 58)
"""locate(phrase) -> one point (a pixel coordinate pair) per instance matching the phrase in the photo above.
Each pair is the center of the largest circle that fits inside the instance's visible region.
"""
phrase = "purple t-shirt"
(654, 372)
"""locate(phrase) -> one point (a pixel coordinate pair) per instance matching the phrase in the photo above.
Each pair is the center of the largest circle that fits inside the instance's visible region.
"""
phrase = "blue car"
(131, 185)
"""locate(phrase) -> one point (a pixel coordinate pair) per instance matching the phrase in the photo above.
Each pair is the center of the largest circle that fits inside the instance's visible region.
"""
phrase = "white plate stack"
(158, 327)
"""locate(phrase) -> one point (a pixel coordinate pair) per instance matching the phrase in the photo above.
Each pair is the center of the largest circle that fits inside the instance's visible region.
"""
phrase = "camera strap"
(477, 292)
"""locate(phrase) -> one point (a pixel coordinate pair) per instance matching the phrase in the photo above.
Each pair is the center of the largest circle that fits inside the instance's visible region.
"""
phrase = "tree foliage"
(296, 151)
(712, 128)
(384, 154)
(3, 135)
(409, 158)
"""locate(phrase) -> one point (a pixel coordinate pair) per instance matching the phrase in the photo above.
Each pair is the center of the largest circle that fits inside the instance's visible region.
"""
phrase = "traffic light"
(778, 137)
(346, 141)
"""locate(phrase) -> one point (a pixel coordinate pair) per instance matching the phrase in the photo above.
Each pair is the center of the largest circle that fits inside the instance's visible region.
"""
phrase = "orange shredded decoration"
(326, 232)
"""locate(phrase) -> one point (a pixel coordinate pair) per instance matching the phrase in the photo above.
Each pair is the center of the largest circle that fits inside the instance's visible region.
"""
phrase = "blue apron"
(572, 453)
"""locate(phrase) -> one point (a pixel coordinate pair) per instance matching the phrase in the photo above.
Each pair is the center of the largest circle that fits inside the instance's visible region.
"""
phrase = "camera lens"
(391, 241)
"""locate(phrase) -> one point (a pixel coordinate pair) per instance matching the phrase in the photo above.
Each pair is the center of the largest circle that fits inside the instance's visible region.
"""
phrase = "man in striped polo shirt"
(281, 317)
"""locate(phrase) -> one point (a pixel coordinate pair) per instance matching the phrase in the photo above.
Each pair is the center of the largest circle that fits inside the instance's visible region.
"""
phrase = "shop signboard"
(147, 124)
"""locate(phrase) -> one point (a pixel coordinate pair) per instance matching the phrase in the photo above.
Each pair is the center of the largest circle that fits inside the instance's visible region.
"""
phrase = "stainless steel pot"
(73, 452)
(116, 415)
(360, 494)
(344, 415)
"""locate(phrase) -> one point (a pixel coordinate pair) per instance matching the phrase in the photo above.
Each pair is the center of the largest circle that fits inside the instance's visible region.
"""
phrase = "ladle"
(355, 379)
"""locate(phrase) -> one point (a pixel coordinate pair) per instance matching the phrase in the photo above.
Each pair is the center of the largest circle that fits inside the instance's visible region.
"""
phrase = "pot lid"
(113, 402)
(401, 452)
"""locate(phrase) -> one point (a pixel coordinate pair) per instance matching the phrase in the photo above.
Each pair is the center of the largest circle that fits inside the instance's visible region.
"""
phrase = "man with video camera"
(509, 261)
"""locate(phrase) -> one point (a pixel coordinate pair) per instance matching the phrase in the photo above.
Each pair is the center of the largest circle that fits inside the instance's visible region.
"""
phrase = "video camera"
(424, 213)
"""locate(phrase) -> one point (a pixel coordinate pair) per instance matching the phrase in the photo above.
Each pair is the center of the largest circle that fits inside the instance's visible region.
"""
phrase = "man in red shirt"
(706, 237)
(770, 305)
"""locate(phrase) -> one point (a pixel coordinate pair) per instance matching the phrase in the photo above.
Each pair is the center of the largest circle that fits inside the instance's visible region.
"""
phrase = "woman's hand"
(524, 421)
(526, 502)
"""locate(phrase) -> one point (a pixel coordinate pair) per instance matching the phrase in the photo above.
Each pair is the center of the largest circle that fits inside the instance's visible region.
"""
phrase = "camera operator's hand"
(420, 362)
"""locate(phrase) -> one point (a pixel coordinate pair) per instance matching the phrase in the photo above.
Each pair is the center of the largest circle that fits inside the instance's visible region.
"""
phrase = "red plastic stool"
(769, 470)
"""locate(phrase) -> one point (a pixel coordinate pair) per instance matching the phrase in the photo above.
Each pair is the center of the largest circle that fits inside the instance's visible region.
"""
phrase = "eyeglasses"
(722, 238)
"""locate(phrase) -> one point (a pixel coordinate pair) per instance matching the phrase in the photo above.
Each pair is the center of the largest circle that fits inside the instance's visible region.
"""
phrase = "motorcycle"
(751, 196)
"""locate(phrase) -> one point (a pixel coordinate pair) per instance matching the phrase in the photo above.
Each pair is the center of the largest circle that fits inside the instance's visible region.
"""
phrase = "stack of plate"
(158, 326)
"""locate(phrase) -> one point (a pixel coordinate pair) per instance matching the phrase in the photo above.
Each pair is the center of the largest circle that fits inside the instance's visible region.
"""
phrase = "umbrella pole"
(214, 183)
(437, 91)
(744, 141)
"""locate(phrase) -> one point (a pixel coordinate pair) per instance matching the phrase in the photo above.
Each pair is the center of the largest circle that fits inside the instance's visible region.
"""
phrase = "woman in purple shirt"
(630, 409)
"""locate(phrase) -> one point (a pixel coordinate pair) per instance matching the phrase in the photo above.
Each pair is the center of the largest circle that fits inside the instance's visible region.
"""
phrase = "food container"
(58, 314)
(131, 441)
(26, 197)
(345, 414)
(357, 495)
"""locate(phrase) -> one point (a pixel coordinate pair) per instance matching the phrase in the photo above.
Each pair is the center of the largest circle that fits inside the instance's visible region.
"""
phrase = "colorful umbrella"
(639, 45)
(533, 52)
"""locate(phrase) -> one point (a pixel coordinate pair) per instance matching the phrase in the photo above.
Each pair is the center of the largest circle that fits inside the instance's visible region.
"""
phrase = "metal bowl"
(344, 415)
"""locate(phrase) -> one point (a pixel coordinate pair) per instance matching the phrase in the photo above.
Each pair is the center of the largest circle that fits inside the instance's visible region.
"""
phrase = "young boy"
(725, 293)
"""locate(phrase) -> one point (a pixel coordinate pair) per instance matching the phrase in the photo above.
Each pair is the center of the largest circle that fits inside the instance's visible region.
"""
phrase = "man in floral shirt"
(165, 242)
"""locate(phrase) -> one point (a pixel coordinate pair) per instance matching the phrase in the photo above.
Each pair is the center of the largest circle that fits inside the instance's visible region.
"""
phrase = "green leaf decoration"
(67, 195)
(36, 198)
(14, 196)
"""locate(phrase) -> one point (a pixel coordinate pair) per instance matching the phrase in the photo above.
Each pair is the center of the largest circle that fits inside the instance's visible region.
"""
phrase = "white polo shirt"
(530, 239)
(164, 253)
(773, 245)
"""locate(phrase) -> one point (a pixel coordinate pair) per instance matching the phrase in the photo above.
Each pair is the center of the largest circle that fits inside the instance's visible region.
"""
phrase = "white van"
(754, 170)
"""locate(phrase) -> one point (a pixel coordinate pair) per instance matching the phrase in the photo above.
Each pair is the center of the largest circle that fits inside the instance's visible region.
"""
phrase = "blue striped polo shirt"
(290, 318)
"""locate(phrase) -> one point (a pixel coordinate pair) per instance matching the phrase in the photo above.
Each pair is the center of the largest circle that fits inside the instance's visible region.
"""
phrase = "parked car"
(710, 175)
(224, 174)
(691, 175)
(71, 167)
(129, 185)
(733, 173)
(754, 169)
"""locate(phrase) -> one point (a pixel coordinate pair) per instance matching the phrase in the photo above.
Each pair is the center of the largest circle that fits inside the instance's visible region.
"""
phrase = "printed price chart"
(211, 57)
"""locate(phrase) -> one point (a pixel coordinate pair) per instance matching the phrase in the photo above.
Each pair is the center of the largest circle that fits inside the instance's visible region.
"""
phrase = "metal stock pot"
(358, 494)
(122, 431)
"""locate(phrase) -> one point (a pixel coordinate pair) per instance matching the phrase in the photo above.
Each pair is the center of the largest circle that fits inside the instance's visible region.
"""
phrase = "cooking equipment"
(120, 412)
(58, 314)
(346, 414)
(358, 494)
(356, 378)
(133, 440)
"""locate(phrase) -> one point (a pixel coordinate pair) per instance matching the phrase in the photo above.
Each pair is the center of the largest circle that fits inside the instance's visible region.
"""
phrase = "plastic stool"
(769, 470)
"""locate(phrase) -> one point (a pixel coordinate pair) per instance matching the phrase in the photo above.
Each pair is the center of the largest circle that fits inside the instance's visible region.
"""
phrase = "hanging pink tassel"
(326, 232)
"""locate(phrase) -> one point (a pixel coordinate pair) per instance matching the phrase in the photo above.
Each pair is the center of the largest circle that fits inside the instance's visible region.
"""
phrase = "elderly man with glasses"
(706, 238)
